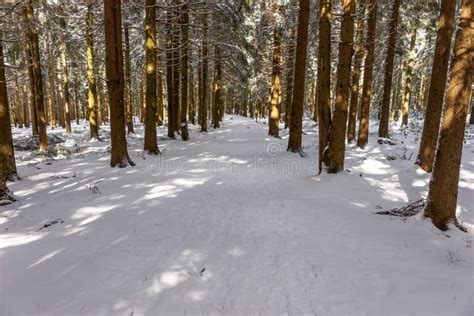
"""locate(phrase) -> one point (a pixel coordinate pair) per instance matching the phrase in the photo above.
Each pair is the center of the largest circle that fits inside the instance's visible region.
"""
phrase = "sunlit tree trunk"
(275, 88)
(443, 187)
(390, 55)
(337, 135)
(7, 166)
(91, 86)
(294, 139)
(38, 78)
(368, 71)
(115, 82)
(434, 106)
(31, 111)
(324, 77)
(407, 89)
(358, 57)
(151, 142)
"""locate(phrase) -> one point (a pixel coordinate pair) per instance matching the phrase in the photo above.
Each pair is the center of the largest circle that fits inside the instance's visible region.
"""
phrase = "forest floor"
(229, 223)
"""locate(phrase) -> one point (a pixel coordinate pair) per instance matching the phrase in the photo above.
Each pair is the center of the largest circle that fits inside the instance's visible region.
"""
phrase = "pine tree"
(8, 165)
(115, 82)
(38, 104)
(294, 139)
(368, 72)
(390, 55)
(91, 86)
(128, 79)
(443, 187)
(337, 135)
(408, 86)
(184, 71)
(275, 88)
(150, 143)
(324, 78)
(439, 74)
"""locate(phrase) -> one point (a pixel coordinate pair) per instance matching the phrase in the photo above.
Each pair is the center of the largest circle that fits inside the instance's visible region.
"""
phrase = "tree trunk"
(471, 117)
(31, 78)
(434, 106)
(64, 64)
(192, 102)
(290, 76)
(204, 92)
(368, 71)
(7, 166)
(184, 71)
(294, 139)
(52, 87)
(387, 86)
(275, 89)
(443, 187)
(38, 83)
(217, 89)
(60, 95)
(128, 81)
(151, 142)
(409, 78)
(324, 77)
(159, 91)
(358, 57)
(169, 74)
(337, 135)
(115, 82)
(91, 86)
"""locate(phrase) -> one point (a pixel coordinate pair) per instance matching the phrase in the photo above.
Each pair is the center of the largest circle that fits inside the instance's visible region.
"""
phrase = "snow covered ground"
(229, 223)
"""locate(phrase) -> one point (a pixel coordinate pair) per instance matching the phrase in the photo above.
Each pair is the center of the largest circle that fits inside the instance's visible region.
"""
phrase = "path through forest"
(230, 223)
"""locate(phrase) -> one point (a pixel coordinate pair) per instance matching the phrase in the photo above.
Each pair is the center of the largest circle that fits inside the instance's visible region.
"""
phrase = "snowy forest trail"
(229, 223)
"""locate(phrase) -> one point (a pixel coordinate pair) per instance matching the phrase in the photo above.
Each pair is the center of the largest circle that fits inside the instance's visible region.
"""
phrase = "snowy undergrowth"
(229, 223)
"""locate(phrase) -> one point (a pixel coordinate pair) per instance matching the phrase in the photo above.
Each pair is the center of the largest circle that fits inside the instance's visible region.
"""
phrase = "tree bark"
(8, 165)
(443, 187)
(290, 76)
(128, 80)
(91, 86)
(387, 86)
(169, 74)
(64, 64)
(275, 89)
(38, 78)
(437, 88)
(217, 89)
(184, 71)
(358, 58)
(368, 72)
(294, 140)
(151, 142)
(205, 90)
(324, 77)
(337, 135)
(115, 82)
(409, 77)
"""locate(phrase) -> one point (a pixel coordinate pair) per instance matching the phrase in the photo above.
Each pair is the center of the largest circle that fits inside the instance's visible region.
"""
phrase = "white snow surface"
(229, 223)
